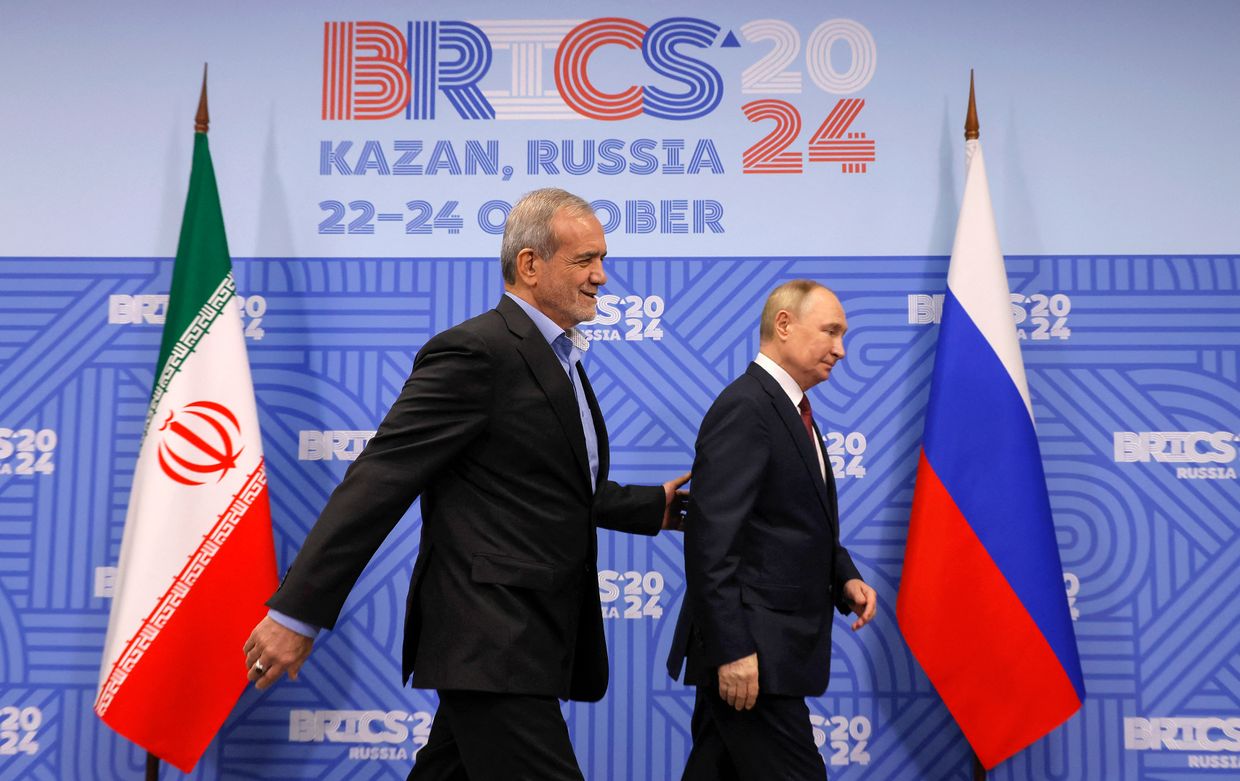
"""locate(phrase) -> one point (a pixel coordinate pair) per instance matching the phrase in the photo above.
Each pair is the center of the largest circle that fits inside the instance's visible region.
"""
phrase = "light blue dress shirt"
(568, 348)
(570, 352)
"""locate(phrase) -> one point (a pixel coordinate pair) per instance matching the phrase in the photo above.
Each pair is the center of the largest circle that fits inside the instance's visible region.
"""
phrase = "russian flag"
(982, 602)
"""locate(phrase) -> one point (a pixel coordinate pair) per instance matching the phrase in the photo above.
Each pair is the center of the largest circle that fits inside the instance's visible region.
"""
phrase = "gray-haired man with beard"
(499, 432)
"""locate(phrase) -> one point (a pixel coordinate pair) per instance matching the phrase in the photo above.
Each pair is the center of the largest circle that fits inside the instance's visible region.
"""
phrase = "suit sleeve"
(845, 571)
(444, 405)
(733, 449)
(636, 509)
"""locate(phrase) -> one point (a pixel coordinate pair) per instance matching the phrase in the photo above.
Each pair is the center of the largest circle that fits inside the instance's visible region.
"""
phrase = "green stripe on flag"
(202, 254)
(183, 348)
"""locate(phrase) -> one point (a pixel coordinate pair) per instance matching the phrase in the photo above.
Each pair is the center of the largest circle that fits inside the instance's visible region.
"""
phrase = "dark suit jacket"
(763, 561)
(504, 593)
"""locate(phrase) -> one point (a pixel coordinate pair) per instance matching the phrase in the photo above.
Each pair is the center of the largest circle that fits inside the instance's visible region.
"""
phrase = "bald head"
(788, 297)
(802, 329)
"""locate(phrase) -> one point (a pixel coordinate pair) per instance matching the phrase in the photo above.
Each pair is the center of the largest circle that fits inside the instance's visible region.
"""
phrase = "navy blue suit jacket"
(763, 560)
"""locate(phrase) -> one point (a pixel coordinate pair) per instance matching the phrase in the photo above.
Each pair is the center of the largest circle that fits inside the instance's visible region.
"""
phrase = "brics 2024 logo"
(372, 734)
(374, 70)
(1212, 451)
(1215, 740)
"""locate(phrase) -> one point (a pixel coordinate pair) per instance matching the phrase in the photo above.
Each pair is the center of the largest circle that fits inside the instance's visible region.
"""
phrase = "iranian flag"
(197, 560)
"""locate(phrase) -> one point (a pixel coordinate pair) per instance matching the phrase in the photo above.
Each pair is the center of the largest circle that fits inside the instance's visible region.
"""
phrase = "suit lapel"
(550, 376)
(832, 505)
(791, 419)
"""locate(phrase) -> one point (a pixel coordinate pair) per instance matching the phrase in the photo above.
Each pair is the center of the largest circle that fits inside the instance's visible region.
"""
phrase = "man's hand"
(677, 503)
(738, 682)
(863, 600)
(274, 650)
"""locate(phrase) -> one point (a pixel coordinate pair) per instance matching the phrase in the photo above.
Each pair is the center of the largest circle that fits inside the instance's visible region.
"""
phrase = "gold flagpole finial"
(202, 119)
(971, 128)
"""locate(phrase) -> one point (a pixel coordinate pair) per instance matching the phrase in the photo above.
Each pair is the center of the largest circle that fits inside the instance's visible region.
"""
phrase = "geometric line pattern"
(1151, 344)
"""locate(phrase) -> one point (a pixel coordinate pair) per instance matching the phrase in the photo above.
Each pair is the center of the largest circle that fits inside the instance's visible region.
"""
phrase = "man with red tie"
(763, 560)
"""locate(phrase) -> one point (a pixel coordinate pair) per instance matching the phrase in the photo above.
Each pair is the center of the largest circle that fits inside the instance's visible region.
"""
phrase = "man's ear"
(783, 318)
(527, 268)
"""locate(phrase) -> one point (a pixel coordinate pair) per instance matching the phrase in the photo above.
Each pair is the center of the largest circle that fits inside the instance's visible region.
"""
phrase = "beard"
(569, 304)
(572, 304)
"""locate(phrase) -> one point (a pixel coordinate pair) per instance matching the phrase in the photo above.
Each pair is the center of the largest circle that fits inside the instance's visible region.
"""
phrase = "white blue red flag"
(982, 602)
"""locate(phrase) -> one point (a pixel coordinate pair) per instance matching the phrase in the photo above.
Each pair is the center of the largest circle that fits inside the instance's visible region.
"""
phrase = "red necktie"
(807, 417)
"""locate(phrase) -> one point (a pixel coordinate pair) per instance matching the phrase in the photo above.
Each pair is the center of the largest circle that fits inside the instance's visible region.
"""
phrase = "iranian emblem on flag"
(187, 429)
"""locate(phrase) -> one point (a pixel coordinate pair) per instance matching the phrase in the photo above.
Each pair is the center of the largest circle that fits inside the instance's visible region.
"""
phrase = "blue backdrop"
(1124, 261)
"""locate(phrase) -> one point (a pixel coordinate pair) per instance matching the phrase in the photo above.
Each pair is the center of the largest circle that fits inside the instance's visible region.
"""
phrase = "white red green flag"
(197, 560)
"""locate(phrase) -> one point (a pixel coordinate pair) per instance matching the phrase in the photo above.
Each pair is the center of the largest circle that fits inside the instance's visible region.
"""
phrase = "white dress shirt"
(795, 394)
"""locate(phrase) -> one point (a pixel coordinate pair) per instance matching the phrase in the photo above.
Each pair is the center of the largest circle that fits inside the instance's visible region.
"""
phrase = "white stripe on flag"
(977, 277)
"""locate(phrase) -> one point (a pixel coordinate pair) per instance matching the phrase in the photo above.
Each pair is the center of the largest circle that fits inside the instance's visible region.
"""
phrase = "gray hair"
(789, 296)
(529, 226)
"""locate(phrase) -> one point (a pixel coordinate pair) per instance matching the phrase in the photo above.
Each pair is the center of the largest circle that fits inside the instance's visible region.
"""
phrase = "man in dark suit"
(499, 432)
(763, 560)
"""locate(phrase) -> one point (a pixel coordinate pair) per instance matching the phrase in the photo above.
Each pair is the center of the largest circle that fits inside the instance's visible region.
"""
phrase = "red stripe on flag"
(969, 631)
(186, 683)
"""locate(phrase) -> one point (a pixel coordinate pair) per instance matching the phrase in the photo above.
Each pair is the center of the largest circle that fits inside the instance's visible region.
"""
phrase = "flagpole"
(202, 120)
(972, 131)
(979, 771)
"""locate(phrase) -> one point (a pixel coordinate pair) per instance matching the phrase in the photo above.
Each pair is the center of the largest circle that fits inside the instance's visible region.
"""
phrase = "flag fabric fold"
(982, 602)
(197, 559)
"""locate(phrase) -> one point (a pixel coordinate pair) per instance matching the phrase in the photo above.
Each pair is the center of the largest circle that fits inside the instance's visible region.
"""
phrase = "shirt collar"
(795, 394)
(547, 327)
